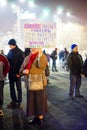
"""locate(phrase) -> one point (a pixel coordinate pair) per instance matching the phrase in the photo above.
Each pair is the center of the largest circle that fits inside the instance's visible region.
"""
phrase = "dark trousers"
(1, 93)
(75, 83)
(53, 64)
(16, 97)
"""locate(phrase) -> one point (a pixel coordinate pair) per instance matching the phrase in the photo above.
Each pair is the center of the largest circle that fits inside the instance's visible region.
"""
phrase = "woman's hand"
(18, 75)
(26, 71)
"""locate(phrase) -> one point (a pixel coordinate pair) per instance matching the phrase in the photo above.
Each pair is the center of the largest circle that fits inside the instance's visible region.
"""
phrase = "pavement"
(63, 113)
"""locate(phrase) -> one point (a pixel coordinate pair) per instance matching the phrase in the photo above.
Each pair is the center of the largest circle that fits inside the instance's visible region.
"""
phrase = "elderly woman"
(35, 65)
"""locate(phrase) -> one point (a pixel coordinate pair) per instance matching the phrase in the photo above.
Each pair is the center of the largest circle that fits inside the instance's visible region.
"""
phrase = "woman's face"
(33, 50)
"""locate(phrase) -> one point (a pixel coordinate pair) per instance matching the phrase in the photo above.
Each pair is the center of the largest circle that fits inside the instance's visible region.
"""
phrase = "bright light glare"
(60, 10)
(46, 12)
(3, 3)
(56, 19)
(27, 15)
(31, 3)
(15, 8)
(68, 14)
(22, 1)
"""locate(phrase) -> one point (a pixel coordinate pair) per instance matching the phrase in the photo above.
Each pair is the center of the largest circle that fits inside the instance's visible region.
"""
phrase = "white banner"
(40, 35)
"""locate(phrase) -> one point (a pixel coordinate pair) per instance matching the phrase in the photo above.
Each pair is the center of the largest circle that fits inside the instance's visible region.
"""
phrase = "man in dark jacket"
(75, 64)
(54, 58)
(15, 57)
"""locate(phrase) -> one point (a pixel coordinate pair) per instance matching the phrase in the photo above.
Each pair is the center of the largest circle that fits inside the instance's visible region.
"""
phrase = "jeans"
(1, 93)
(16, 97)
(54, 65)
(75, 83)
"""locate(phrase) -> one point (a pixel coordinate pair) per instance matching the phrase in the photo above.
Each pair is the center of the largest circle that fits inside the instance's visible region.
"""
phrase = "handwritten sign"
(40, 35)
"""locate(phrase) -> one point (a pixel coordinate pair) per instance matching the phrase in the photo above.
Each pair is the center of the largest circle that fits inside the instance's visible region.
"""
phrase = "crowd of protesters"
(32, 63)
(63, 54)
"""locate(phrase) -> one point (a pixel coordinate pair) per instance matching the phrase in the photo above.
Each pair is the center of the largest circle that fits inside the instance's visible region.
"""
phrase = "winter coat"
(15, 57)
(4, 67)
(54, 55)
(75, 63)
(36, 100)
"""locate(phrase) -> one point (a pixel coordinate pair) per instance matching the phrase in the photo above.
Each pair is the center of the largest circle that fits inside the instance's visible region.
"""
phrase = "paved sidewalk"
(63, 113)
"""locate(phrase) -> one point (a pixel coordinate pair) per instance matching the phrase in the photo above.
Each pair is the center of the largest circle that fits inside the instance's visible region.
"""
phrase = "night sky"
(76, 7)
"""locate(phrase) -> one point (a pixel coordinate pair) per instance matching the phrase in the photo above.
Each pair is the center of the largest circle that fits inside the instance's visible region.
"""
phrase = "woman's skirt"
(36, 102)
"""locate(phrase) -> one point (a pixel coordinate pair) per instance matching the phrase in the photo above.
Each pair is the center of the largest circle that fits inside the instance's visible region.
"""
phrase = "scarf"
(32, 58)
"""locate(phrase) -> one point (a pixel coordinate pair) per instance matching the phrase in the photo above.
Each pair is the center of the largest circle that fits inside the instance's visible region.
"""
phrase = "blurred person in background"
(1, 51)
(66, 53)
(54, 59)
(4, 68)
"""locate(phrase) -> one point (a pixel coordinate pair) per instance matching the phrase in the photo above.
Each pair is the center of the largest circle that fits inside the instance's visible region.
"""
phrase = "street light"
(17, 10)
(3, 3)
(68, 14)
(60, 10)
(58, 19)
(27, 15)
(46, 12)
(22, 1)
(31, 3)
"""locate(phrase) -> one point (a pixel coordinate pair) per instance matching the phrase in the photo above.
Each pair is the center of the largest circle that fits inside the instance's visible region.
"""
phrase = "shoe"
(47, 81)
(79, 96)
(71, 97)
(35, 122)
(12, 105)
(1, 113)
(86, 100)
(19, 106)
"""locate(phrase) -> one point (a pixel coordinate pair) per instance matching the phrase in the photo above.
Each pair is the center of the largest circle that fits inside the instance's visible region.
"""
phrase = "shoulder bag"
(35, 82)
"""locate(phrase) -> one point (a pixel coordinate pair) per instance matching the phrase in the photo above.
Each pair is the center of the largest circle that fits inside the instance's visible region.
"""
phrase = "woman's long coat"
(36, 100)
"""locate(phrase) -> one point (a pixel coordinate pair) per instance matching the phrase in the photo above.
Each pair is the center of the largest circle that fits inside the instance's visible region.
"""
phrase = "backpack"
(52, 55)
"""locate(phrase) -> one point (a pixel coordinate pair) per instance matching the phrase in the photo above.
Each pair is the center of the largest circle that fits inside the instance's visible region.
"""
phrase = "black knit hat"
(12, 42)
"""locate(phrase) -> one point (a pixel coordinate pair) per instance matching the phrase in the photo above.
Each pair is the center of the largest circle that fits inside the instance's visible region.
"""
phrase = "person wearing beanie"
(73, 46)
(12, 42)
(15, 57)
(75, 64)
